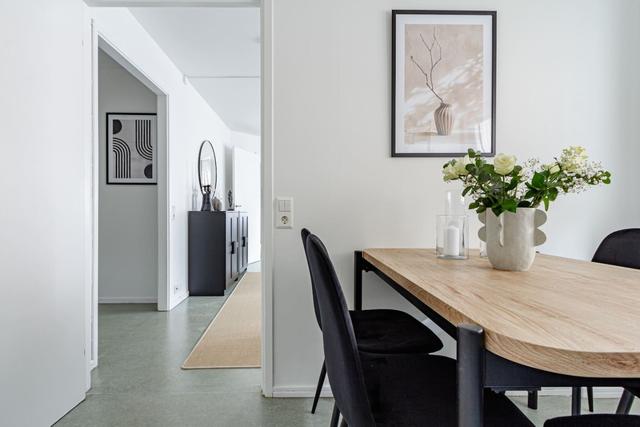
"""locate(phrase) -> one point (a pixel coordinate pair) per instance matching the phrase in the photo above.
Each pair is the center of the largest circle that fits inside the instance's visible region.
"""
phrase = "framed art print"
(131, 148)
(444, 80)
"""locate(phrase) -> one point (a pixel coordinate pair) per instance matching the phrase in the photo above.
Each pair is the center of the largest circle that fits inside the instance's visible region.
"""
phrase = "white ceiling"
(218, 49)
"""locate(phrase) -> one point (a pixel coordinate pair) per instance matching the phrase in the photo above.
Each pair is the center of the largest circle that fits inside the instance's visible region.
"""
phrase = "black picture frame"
(394, 91)
(109, 181)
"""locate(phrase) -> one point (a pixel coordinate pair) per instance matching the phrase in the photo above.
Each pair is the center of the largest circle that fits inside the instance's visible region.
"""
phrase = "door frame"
(267, 203)
(100, 42)
(266, 153)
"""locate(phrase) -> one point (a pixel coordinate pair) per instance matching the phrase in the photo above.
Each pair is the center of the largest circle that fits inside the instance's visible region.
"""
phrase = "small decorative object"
(507, 196)
(452, 237)
(131, 148)
(443, 75)
(207, 173)
(206, 199)
(217, 204)
(230, 206)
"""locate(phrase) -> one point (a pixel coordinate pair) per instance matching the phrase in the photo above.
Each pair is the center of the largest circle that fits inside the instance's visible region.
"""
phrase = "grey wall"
(128, 221)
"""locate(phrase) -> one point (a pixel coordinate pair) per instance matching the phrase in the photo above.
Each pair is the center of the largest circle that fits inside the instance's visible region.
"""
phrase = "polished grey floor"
(139, 381)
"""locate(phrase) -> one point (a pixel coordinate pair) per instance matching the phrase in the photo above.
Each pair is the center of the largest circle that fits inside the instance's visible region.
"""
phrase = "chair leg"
(590, 398)
(323, 374)
(576, 396)
(532, 399)
(335, 416)
(624, 407)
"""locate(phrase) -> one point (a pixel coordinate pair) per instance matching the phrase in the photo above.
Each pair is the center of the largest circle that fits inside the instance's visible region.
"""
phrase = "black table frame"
(478, 368)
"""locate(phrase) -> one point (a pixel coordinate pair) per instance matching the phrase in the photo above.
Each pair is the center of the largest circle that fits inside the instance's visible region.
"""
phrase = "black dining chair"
(621, 248)
(379, 331)
(596, 420)
(387, 389)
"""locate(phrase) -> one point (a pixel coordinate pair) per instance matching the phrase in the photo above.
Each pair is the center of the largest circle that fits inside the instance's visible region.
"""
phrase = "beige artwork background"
(458, 78)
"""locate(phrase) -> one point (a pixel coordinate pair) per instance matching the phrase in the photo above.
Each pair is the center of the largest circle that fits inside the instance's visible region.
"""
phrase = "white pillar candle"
(452, 241)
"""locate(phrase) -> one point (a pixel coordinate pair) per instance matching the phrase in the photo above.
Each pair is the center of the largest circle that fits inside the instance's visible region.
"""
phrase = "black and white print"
(131, 148)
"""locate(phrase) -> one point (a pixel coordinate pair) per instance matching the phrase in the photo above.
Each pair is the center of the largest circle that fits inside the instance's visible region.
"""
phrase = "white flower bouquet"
(506, 186)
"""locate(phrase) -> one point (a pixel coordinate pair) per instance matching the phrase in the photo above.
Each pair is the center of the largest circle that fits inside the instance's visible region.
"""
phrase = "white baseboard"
(301, 391)
(598, 392)
(127, 300)
(178, 299)
(309, 391)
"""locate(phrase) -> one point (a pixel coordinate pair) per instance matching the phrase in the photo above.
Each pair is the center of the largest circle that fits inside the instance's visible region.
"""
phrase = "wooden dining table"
(563, 323)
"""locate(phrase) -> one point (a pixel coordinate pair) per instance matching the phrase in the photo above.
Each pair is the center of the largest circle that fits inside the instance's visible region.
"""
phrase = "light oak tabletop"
(565, 316)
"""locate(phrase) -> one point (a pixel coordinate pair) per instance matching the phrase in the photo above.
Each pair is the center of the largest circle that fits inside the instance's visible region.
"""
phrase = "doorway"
(127, 203)
(167, 285)
(129, 232)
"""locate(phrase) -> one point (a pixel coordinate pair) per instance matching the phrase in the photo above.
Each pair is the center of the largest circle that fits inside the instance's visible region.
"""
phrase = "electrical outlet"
(284, 212)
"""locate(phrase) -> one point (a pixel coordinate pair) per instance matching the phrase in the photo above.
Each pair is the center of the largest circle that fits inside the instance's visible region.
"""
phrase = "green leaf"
(546, 203)
(474, 205)
(509, 205)
(466, 190)
(524, 204)
(538, 180)
(481, 209)
(497, 210)
(513, 184)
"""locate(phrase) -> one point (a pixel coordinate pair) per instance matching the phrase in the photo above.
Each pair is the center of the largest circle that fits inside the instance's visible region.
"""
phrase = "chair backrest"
(304, 234)
(340, 348)
(620, 248)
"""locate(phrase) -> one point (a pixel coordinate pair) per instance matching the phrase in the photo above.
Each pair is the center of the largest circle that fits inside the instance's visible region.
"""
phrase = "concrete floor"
(139, 381)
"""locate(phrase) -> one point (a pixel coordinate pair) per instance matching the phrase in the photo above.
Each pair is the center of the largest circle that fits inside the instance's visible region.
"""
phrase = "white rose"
(450, 172)
(503, 164)
(552, 168)
(461, 165)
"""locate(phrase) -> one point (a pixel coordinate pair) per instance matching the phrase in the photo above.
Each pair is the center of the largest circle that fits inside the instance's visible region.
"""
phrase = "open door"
(43, 262)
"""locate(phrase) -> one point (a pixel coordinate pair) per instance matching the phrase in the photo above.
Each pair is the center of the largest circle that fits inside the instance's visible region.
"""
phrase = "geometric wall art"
(443, 83)
(131, 148)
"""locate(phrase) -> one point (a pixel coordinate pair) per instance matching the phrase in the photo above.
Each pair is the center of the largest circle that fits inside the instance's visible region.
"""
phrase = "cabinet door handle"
(244, 241)
(233, 247)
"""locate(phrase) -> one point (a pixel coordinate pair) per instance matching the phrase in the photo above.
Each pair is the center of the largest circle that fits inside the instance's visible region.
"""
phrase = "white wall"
(246, 188)
(42, 260)
(191, 120)
(128, 214)
(566, 75)
(246, 141)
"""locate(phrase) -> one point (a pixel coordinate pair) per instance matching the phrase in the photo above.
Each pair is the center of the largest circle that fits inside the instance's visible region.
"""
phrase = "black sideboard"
(218, 250)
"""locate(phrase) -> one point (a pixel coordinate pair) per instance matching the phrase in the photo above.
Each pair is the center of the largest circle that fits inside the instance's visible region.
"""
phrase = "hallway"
(139, 381)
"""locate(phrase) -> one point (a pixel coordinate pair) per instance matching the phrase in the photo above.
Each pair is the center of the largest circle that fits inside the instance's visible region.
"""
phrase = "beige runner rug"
(232, 340)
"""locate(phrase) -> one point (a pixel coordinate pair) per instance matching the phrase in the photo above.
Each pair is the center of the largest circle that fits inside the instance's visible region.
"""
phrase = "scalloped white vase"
(512, 237)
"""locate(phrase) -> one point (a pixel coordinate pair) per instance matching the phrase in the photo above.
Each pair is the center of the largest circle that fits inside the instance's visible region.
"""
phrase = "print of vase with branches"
(443, 115)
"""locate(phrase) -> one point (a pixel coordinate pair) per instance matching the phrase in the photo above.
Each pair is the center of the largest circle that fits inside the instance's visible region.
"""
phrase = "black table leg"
(576, 400)
(470, 376)
(532, 400)
(357, 280)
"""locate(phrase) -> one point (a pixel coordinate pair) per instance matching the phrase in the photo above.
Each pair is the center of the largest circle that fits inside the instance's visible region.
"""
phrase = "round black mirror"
(207, 168)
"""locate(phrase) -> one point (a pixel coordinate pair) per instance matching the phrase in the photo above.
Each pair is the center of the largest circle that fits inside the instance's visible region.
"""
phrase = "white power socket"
(284, 212)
